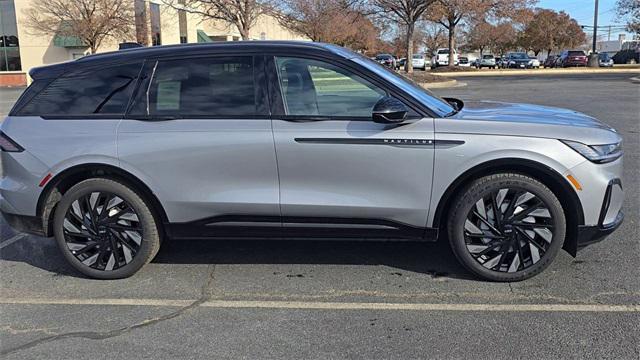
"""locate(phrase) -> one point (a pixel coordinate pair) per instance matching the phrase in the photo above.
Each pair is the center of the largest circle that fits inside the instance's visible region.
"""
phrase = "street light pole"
(593, 58)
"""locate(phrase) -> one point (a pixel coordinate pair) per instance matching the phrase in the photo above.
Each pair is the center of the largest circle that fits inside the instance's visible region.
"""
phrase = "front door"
(341, 174)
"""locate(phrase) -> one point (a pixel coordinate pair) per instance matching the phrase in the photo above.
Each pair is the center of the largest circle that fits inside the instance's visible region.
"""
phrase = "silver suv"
(114, 153)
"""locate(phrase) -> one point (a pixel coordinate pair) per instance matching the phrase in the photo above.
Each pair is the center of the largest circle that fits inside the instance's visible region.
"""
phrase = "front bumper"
(588, 235)
(610, 218)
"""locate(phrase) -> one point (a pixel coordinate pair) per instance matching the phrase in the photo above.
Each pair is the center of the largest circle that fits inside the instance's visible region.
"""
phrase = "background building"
(156, 24)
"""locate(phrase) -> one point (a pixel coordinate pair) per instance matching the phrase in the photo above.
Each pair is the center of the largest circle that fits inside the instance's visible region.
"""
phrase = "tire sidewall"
(148, 245)
(480, 188)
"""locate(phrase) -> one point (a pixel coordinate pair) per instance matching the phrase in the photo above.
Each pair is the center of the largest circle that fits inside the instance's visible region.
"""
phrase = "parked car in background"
(441, 58)
(534, 63)
(401, 63)
(419, 62)
(488, 61)
(507, 185)
(386, 60)
(550, 61)
(517, 60)
(604, 60)
(499, 61)
(464, 61)
(572, 58)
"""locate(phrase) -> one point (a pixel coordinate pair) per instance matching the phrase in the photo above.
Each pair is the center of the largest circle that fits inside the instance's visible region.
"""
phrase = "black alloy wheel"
(106, 229)
(508, 230)
(506, 227)
(102, 231)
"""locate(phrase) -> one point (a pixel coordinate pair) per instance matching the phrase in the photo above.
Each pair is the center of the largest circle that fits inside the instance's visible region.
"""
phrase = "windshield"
(426, 97)
(383, 57)
(519, 56)
(443, 51)
(418, 56)
(487, 57)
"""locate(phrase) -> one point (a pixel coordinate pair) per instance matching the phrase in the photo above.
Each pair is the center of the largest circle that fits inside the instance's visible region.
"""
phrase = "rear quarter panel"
(51, 146)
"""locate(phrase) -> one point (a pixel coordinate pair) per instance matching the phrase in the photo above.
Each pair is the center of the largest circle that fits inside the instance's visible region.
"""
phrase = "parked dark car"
(386, 60)
(572, 58)
(401, 63)
(516, 60)
(550, 61)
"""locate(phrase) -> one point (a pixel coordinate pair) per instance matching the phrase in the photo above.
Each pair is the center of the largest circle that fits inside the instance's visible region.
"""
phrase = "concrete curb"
(440, 84)
(539, 72)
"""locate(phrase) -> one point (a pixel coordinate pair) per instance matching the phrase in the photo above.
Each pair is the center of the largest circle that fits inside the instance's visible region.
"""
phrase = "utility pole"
(609, 34)
(593, 58)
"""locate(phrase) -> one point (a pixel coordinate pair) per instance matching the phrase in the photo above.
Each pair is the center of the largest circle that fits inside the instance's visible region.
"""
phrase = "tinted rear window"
(576, 53)
(103, 91)
(203, 86)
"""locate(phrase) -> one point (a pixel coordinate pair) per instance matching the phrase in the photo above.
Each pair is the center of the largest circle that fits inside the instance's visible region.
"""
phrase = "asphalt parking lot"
(331, 300)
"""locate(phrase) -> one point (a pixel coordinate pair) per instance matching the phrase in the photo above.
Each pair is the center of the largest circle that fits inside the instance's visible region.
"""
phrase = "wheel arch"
(63, 181)
(548, 176)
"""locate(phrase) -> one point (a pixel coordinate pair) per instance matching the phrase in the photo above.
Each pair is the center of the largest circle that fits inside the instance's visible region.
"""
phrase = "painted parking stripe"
(317, 305)
(11, 240)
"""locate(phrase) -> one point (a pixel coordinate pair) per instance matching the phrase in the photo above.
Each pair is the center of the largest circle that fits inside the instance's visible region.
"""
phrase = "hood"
(526, 113)
(531, 120)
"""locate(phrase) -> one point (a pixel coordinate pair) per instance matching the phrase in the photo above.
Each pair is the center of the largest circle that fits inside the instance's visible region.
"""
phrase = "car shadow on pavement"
(434, 259)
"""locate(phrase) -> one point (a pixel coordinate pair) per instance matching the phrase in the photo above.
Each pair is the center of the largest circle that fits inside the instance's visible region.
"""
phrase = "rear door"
(199, 134)
(341, 173)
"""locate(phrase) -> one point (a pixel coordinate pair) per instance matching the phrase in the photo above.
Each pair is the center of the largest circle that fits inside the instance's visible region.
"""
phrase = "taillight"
(7, 144)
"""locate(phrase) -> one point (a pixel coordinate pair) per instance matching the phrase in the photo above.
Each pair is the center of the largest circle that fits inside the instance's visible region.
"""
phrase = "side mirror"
(456, 103)
(389, 110)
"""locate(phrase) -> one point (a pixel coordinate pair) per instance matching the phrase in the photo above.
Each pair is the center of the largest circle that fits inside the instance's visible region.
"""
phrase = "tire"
(86, 234)
(514, 251)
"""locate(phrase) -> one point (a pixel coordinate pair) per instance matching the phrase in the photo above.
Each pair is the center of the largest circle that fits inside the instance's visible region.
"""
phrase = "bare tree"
(550, 30)
(433, 37)
(242, 14)
(407, 13)
(481, 36)
(332, 21)
(629, 10)
(450, 13)
(91, 21)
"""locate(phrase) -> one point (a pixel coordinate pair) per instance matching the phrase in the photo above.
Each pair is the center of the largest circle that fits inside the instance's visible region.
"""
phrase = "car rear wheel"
(506, 227)
(105, 229)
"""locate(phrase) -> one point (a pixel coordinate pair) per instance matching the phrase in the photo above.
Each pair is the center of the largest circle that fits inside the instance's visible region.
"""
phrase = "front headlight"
(597, 153)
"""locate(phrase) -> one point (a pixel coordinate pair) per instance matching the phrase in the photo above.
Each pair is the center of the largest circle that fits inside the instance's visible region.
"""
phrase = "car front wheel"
(506, 227)
(105, 229)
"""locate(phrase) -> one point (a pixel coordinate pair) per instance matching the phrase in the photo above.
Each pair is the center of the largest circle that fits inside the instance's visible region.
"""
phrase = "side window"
(317, 88)
(203, 87)
(86, 92)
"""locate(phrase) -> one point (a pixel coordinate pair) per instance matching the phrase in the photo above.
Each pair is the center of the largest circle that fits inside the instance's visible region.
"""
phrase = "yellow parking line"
(318, 305)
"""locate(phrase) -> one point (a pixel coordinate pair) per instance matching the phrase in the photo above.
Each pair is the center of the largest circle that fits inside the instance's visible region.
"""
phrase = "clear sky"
(582, 11)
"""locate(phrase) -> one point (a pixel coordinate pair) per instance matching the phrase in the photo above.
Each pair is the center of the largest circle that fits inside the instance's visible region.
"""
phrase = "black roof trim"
(56, 70)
